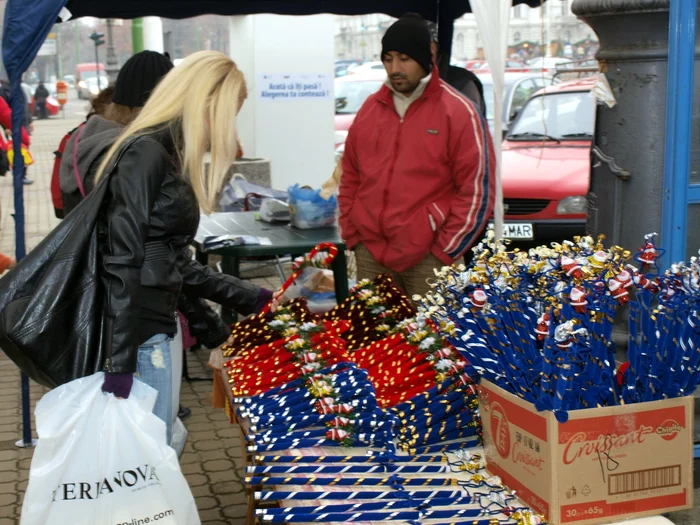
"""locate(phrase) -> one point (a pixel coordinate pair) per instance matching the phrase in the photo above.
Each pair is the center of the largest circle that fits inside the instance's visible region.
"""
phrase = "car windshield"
(87, 75)
(559, 115)
(93, 81)
(349, 96)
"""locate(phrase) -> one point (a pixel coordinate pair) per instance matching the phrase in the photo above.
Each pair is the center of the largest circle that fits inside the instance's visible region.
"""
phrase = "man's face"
(404, 73)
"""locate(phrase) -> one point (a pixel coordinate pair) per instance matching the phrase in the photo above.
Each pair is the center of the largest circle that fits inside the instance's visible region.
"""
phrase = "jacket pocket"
(436, 217)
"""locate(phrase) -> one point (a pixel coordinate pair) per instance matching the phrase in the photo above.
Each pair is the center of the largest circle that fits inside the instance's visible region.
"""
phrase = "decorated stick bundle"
(539, 323)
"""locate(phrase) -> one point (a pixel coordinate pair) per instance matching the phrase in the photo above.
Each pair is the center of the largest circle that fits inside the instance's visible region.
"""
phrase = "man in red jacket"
(418, 170)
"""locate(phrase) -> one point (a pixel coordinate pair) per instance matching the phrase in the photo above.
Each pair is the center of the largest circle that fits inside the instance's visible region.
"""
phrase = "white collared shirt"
(403, 102)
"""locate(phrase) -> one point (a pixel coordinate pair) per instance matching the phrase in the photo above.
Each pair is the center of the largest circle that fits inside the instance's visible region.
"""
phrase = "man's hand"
(12, 264)
(31, 128)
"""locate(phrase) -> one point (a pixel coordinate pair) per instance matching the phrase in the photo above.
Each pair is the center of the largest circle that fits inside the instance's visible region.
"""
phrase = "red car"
(475, 64)
(546, 163)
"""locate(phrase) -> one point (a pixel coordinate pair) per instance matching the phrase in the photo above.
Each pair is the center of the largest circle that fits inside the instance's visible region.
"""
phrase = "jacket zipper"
(385, 199)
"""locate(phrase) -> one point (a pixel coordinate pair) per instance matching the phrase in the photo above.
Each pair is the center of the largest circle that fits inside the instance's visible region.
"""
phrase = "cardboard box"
(601, 466)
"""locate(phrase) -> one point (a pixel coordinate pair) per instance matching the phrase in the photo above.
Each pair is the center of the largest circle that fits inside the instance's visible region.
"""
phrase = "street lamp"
(98, 39)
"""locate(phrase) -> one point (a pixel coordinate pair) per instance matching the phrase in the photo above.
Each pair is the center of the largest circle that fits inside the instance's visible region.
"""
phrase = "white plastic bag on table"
(274, 210)
(317, 286)
(104, 461)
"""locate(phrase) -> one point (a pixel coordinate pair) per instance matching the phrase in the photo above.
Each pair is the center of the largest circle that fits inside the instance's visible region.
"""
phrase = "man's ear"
(434, 52)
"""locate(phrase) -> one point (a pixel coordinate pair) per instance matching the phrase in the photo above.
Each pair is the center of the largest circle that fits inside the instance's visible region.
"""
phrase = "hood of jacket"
(93, 139)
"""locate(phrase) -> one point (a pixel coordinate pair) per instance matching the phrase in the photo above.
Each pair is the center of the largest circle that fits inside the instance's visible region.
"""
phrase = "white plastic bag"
(104, 461)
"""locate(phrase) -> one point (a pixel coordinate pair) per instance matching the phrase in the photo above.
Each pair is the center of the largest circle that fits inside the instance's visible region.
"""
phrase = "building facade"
(359, 37)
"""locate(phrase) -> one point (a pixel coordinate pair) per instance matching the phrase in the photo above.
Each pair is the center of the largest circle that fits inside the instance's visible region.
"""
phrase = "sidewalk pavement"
(213, 458)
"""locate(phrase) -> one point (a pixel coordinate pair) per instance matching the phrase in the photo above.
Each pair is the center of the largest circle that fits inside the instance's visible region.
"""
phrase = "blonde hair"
(203, 95)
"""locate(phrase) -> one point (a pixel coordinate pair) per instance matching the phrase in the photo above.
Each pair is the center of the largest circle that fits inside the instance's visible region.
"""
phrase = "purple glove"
(264, 298)
(118, 384)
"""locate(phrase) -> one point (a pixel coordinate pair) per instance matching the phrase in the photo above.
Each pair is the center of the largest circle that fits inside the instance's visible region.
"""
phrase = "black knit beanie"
(409, 35)
(138, 77)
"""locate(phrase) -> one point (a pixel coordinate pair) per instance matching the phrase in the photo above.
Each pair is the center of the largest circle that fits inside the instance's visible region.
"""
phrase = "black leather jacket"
(204, 323)
(149, 217)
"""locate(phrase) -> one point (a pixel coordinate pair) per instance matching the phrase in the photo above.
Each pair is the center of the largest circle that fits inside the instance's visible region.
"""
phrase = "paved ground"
(213, 458)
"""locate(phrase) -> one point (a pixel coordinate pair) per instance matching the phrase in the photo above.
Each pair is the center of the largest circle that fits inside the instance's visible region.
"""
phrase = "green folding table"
(284, 240)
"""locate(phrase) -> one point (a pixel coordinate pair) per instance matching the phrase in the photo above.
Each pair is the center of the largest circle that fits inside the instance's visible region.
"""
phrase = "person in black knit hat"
(137, 78)
(418, 174)
(406, 54)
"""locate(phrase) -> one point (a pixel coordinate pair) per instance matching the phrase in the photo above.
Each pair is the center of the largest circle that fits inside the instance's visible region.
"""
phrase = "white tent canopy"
(493, 18)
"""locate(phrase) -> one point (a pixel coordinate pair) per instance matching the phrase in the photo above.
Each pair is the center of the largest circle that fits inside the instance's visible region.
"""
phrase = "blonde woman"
(156, 187)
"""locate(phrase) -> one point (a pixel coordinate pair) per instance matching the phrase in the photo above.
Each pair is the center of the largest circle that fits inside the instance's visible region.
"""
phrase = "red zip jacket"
(424, 184)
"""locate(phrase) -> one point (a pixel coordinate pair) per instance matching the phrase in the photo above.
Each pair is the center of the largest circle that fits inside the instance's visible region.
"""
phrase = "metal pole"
(97, 67)
(58, 54)
(112, 62)
(18, 171)
(76, 37)
(57, 64)
(679, 105)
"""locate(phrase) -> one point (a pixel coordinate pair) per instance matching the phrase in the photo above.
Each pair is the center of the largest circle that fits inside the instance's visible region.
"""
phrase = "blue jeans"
(154, 368)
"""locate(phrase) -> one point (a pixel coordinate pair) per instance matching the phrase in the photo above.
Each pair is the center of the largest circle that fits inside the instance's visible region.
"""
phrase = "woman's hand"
(118, 384)
(277, 299)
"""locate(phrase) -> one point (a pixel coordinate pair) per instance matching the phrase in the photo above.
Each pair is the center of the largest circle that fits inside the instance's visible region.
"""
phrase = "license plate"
(517, 230)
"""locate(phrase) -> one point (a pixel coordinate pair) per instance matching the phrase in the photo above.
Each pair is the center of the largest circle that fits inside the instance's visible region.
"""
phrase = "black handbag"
(51, 303)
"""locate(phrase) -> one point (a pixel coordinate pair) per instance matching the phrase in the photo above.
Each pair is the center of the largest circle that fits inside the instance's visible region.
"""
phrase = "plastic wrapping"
(309, 210)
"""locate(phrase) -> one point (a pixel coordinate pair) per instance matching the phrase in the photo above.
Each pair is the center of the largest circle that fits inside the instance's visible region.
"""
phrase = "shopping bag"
(241, 195)
(104, 461)
(309, 210)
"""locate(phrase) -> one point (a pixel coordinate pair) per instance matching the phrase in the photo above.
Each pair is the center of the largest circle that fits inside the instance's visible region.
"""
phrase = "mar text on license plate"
(518, 231)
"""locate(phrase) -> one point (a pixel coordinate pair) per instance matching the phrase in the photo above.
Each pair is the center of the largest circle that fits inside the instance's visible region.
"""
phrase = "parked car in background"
(342, 67)
(351, 92)
(367, 67)
(547, 63)
(518, 88)
(512, 66)
(546, 163)
(83, 72)
(89, 88)
(70, 80)
(471, 65)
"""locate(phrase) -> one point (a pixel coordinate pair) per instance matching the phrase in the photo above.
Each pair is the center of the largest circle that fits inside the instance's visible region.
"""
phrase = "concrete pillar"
(626, 189)
(296, 131)
(153, 34)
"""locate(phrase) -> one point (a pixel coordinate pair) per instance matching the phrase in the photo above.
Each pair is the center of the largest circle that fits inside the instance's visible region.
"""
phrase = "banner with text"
(295, 87)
